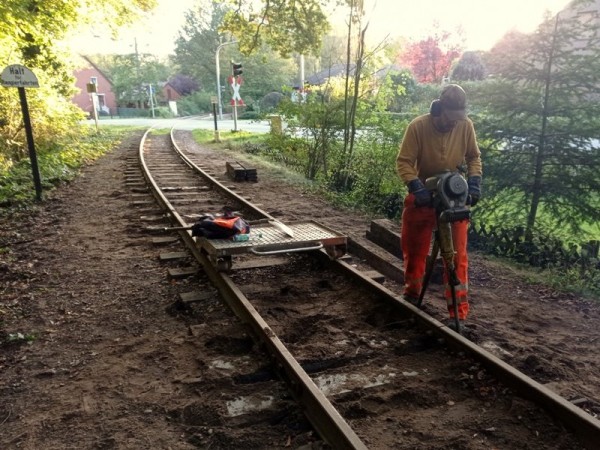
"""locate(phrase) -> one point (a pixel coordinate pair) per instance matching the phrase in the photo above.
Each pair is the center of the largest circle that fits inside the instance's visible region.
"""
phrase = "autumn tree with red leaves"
(430, 59)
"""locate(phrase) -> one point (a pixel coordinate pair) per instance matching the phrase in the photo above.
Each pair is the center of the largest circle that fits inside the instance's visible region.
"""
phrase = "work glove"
(474, 183)
(422, 196)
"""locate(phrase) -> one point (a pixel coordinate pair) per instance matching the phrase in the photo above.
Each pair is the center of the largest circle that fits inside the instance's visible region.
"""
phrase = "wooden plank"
(185, 188)
(235, 171)
(375, 276)
(196, 296)
(184, 194)
(238, 172)
(143, 202)
(164, 240)
(378, 258)
(386, 234)
(161, 218)
(183, 272)
(258, 262)
(188, 201)
(150, 211)
(173, 255)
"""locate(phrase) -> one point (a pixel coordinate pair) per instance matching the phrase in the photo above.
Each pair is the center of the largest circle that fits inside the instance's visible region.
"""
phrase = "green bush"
(270, 101)
(250, 115)
(163, 112)
(58, 163)
(197, 103)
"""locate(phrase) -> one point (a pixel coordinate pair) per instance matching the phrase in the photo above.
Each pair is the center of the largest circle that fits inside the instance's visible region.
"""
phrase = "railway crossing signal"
(235, 83)
(236, 69)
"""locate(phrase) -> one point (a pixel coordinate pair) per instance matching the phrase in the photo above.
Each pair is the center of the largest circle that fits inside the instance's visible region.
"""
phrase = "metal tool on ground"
(450, 192)
(281, 226)
(276, 223)
(166, 229)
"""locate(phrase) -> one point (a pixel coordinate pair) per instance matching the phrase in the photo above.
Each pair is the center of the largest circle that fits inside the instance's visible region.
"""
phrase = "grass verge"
(58, 164)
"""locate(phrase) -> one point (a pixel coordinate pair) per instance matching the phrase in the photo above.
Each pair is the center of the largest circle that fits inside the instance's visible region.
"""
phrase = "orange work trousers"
(418, 225)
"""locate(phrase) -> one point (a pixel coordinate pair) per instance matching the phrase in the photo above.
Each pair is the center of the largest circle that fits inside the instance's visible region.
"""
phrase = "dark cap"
(454, 102)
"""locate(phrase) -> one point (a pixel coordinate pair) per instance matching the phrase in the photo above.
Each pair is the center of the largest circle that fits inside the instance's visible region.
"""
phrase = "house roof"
(86, 61)
(335, 70)
(168, 83)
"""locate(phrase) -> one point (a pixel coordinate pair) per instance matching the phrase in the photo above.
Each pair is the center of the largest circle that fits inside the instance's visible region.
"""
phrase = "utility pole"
(302, 73)
(137, 69)
(218, 70)
(151, 99)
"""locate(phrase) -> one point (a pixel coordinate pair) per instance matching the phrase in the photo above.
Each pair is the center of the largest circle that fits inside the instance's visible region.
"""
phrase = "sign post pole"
(37, 181)
(92, 90)
(21, 77)
(214, 101)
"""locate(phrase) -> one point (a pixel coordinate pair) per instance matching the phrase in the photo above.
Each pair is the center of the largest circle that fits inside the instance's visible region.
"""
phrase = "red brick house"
(169, 93)
(87, 72)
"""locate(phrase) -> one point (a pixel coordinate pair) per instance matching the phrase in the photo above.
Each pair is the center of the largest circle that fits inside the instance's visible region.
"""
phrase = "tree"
(287, 26)
(540, 128)
(30, 33)
(356, 15)
(131, 74)
(501, 54)
(183, 84)
(430, 59)
(395, 47)
(264, 71)
(469, 68)
(197, 43)
(33, 28)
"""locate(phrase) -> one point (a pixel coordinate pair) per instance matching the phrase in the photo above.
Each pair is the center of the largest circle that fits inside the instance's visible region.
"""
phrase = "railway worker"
(435, 142)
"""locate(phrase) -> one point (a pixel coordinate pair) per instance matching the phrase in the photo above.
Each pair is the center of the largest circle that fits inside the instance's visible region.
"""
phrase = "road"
(205, 123)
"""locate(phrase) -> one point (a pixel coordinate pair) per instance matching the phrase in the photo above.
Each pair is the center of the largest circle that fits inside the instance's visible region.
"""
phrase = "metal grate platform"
(267, 238)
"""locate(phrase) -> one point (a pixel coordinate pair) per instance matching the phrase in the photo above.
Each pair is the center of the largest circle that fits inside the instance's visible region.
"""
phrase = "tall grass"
(57, 164)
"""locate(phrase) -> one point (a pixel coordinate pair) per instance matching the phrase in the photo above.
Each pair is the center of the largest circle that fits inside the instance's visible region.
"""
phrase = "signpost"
(21, 77)
(93, 91)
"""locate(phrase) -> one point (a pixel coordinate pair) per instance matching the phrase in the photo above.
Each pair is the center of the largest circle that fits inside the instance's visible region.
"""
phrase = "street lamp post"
(219, 76)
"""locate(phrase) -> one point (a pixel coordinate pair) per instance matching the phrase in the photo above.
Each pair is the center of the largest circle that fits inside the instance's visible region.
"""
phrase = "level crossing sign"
(235, 83)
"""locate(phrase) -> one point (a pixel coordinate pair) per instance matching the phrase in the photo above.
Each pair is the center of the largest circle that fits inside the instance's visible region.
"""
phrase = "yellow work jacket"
(425, 152)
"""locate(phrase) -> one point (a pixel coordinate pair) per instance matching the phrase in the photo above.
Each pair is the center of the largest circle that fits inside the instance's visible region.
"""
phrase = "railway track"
(367, 369)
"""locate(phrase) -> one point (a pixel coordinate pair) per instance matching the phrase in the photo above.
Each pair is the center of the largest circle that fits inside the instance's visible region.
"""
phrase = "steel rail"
(326, 420)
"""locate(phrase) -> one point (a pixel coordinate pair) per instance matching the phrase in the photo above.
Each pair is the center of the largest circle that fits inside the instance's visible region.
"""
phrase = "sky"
(483, 22)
